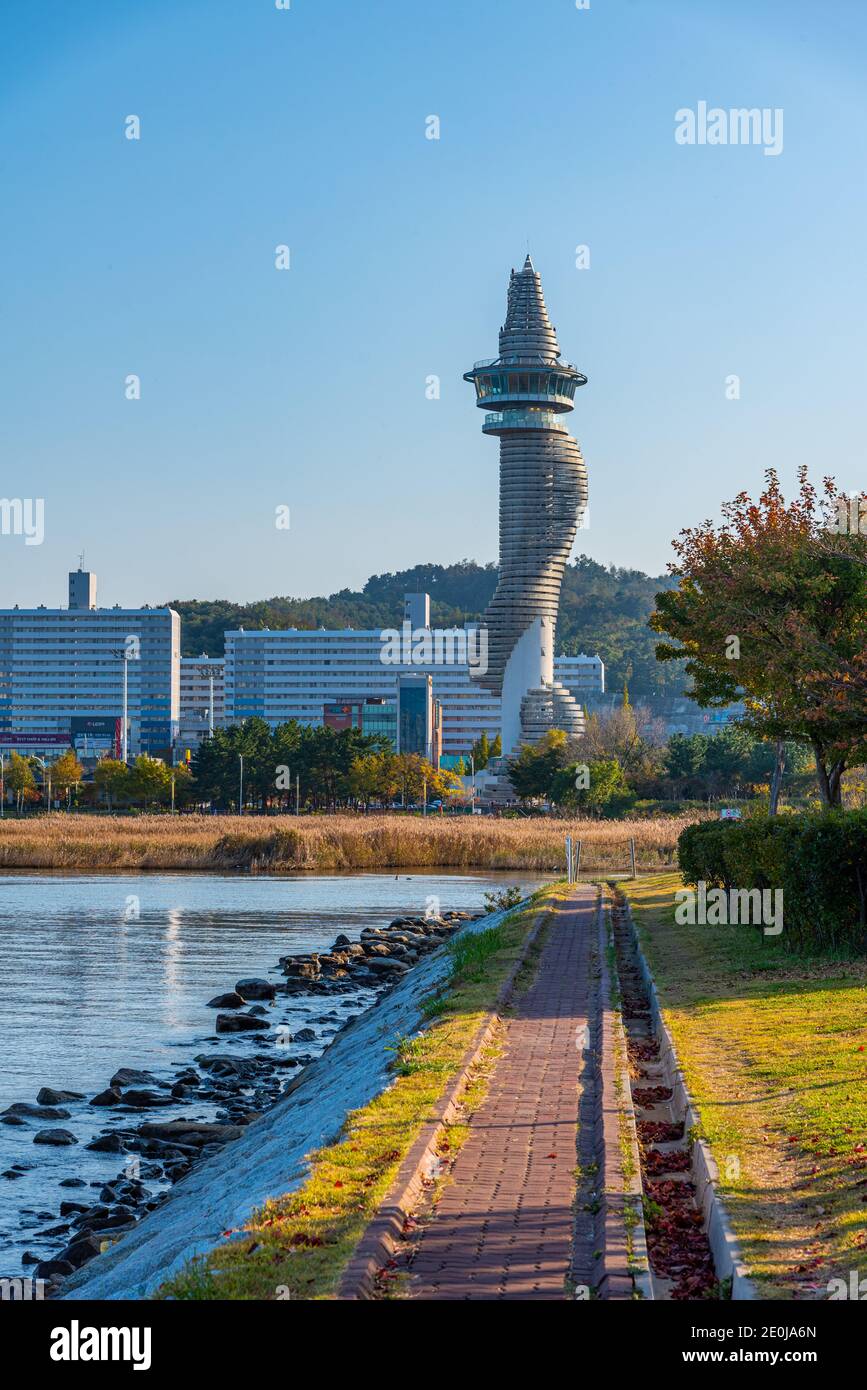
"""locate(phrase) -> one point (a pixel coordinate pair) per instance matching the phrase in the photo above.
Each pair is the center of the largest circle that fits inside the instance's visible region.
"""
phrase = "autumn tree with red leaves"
(771, 608)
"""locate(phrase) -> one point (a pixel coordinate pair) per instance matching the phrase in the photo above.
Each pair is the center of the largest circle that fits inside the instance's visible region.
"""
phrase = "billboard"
(9, 739)
(99, 725)
(92, 733)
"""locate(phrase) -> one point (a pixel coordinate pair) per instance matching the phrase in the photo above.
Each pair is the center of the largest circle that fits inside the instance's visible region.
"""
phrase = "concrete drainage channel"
(692, 1249)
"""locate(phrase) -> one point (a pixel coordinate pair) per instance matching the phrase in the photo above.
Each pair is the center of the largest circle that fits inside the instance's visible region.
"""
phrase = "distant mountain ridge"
(602, 610)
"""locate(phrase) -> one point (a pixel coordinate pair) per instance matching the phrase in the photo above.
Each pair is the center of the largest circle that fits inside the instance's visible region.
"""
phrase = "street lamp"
(125, 656)
(241, 787)
(472, 785)
(46, 773)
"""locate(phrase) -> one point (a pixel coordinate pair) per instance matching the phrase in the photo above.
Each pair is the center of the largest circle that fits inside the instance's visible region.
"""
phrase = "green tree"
(481, 751)
(111, 778)
(533, 769)
(766, 608)
(732, 761)
(216, 763)
(606, 791)
(373, 777)
(19, 779)
(685, 756)
(629, 735)
(66, 772)
(149, 781)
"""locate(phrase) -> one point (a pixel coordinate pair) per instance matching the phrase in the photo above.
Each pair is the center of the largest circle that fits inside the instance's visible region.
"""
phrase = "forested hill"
(602, 610)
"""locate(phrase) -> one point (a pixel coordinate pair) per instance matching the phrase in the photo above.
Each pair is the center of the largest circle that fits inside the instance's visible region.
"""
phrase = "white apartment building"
(202, 706)
(581, 675)
(291, 673)
(62, 676)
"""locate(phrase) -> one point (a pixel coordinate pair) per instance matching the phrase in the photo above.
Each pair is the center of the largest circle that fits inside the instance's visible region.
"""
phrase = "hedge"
(819, 861)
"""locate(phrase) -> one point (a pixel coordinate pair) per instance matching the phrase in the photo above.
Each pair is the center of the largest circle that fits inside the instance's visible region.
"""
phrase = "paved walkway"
(505, 1225)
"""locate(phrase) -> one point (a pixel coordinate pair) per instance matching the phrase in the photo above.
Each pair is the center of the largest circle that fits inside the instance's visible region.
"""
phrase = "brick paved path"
(505, 1225)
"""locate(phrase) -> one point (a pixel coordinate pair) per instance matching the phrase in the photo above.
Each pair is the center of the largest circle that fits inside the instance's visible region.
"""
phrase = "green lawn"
(773, 1049)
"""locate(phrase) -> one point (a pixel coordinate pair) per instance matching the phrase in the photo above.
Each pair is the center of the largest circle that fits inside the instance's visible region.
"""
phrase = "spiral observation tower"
(527, 391)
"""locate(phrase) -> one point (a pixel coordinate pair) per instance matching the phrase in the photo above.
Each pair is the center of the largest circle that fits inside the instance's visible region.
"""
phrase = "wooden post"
(569, 858)
(577, 860)
(632, 855)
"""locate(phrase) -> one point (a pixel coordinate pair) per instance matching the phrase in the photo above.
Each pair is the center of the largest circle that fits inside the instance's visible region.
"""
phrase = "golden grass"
(286, 843)
(773, 1050)
(298, 1244)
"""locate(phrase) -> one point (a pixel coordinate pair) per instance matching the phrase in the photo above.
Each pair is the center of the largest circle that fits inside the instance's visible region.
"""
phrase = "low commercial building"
(411, 719)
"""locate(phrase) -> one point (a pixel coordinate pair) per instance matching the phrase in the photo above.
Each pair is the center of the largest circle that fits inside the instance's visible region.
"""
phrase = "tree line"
(624, 760)
(602, 609)
(249, 765)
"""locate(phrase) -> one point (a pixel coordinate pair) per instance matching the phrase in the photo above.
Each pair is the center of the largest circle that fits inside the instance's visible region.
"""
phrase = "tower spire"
(527, 331)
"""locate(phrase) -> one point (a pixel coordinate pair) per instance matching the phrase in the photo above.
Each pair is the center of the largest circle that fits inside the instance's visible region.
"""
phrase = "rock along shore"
(164, 1155)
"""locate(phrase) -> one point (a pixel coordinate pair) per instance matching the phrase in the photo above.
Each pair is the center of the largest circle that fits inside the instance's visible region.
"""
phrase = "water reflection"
(101, 971)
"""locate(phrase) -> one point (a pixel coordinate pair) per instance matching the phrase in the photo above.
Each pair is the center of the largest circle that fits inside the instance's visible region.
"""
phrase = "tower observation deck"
(526, 392)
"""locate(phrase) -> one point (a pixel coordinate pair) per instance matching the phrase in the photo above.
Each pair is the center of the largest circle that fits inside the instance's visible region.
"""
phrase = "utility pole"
(124, 749)
(2, 784)
(208, 671)
(46, 778)
(241, 787)
(297, 793)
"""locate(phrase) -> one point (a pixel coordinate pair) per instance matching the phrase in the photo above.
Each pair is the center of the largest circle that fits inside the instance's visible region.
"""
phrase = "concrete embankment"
(269, 1158)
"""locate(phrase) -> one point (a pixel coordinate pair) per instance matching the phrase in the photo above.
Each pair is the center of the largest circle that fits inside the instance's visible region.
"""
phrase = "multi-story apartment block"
(293, 673)
(63, 673)
(202, 700)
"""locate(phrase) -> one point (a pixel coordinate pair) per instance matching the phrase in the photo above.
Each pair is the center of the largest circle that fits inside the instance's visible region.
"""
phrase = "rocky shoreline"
(159, 1151)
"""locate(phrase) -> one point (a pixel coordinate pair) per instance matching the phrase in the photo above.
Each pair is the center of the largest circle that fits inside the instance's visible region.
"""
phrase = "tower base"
(550, 707)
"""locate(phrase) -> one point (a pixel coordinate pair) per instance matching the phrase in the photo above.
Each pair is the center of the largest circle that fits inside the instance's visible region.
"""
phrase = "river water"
(99, 971)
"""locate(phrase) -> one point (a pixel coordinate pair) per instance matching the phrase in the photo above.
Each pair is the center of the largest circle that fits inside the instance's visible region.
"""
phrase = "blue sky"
(306, 388)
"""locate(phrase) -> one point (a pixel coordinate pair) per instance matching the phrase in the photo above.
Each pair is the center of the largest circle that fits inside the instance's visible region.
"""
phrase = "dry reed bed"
(329, 842)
